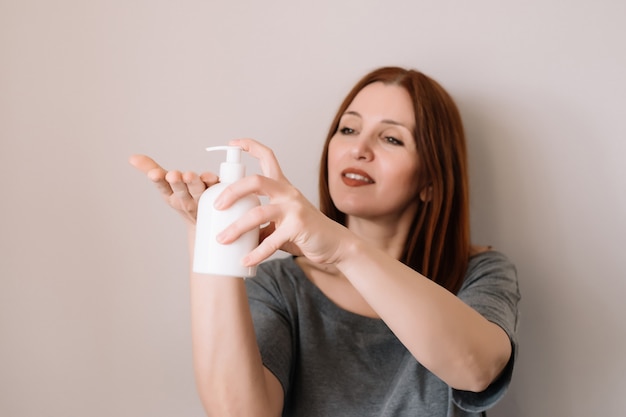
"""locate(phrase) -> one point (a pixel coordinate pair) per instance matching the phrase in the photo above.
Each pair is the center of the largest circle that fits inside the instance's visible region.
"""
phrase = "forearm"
(230, 376)
(444, 334)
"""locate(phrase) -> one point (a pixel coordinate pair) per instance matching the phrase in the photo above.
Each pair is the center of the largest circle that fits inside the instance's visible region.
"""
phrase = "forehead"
(384, 102)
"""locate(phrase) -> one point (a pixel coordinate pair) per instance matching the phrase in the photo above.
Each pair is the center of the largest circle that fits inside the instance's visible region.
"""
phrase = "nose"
(362, 149)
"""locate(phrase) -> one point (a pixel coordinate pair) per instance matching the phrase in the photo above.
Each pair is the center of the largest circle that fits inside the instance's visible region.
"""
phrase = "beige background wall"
(93, 289)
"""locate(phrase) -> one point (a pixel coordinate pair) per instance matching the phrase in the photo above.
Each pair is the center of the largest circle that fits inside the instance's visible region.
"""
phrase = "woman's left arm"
(446, 335)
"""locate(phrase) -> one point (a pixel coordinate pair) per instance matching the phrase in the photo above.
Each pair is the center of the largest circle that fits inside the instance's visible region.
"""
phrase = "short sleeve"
(272, 323)
(492, 289)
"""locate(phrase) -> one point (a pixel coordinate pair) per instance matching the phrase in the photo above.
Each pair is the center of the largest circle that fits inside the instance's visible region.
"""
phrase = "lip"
(355, 177)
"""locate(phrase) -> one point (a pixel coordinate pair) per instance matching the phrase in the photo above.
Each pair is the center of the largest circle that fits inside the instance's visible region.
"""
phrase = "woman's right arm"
(230, 375)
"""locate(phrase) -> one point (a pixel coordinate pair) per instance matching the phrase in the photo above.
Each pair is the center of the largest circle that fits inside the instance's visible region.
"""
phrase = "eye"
(393, 141)
(346, 131)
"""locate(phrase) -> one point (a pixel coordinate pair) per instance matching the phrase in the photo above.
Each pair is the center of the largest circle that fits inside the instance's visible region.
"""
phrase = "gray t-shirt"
(332, 362)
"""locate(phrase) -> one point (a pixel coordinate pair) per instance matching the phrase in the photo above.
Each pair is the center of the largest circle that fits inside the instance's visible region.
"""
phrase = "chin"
(357, 210)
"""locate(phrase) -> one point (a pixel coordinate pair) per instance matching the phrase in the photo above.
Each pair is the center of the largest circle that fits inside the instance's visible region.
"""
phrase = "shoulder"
(490, 276)
(491, 287)
(489, 262)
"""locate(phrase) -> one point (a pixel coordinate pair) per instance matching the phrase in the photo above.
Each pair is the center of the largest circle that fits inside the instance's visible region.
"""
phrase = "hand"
(180, 190)
(295, 225)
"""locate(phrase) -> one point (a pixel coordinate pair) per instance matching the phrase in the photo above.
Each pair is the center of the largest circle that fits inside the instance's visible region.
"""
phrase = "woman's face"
(372, 158)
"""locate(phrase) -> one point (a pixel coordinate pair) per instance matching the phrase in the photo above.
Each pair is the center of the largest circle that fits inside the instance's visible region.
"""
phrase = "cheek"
(403, 184)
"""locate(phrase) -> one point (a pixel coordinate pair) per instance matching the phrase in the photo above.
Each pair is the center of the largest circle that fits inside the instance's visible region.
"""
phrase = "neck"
(388, 237)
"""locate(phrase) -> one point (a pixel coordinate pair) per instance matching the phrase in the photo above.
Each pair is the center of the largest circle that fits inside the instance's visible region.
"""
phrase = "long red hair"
(438, 242)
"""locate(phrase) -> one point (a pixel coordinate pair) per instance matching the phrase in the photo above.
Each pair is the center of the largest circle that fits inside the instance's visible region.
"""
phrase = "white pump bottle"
(210, 256)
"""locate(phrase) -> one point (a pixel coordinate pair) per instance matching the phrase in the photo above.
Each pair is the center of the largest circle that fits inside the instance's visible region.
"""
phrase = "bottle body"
(212, 257)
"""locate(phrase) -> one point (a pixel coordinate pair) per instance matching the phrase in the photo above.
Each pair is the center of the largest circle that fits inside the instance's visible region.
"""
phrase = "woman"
(384, 309)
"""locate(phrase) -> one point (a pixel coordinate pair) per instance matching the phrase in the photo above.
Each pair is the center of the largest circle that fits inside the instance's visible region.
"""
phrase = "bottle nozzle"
(233, 153)
(232, 169)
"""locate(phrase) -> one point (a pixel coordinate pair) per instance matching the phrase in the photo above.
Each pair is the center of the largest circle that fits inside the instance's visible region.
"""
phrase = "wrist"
(351, 247)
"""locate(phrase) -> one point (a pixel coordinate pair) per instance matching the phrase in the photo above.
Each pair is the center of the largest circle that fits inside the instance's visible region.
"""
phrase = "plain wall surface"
(94, 312)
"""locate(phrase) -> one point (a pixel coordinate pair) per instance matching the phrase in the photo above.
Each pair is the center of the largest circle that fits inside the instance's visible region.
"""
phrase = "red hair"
(438, 242)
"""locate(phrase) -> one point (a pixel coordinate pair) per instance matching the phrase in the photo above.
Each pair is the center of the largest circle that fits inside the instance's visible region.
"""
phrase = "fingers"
(196, 185)
(209, 179)
(267, 159)
(180, 191)
(255, 184)
(178, 186)
(253, 219)
(143, 163)
(266, 249)
(266, 231)
(286, 245)
(153, 171)
(272, 239)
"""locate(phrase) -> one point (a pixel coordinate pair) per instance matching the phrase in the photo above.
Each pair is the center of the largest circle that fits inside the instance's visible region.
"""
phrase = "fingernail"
(221, 237)
(218, 203)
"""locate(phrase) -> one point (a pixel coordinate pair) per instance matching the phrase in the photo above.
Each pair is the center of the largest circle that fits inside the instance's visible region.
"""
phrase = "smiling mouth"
(356, 178)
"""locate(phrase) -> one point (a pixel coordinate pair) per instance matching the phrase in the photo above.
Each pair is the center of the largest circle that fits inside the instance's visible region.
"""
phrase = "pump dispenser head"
(232, 169)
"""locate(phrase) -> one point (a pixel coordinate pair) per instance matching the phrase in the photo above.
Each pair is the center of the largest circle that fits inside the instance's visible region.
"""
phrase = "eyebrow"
(386, 121)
